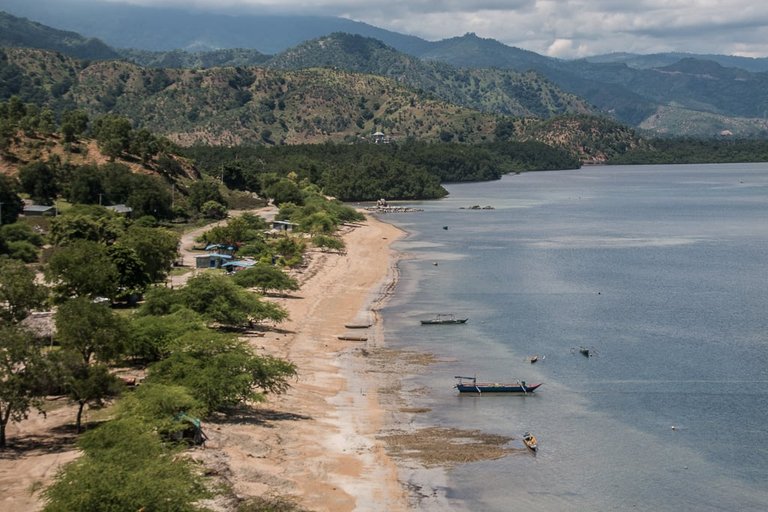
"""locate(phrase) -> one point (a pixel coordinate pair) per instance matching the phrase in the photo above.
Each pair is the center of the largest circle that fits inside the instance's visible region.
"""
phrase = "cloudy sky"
(559, 28)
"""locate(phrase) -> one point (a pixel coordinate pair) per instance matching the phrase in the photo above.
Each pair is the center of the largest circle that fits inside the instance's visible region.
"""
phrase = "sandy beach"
(318, 442)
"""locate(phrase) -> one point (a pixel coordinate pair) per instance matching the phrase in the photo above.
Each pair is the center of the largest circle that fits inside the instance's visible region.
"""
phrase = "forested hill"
(497, 91)
(21, 32)
(237, 105)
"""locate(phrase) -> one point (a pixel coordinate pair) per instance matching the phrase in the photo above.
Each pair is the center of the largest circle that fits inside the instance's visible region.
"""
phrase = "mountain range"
(678, 94)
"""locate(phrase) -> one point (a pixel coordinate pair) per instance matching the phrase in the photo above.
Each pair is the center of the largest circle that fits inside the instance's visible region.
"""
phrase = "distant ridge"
(499, 91)
(23, 33)
(656, 60)
(667, 93)
(164, 28)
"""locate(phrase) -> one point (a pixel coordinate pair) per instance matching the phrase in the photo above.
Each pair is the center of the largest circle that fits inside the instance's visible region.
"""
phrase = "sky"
(558, 28)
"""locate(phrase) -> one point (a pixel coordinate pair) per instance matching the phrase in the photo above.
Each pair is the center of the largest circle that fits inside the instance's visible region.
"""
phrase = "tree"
(285, 191)
(218, 299)
(83, 269)
(221, 370)
(265, 277)
(93, 223)
(38, 179)
(19, 293)
(22, 251)
(126, 466)
(118, 182)
(73, 124)
(85, 185)
(160, 406)
(113, 135)
(159, 301)
(85, 385)
(213, 210)
(21, 372)
(132, 278)
(327, 242)
(291, 249)
(88, 332)
(152, 335)
(11, 204)
(245, 228)
(157, 249)
(46, 121)
(318, 222)
(21, 232)
(202, 191)
(144, 145)
(149, 196)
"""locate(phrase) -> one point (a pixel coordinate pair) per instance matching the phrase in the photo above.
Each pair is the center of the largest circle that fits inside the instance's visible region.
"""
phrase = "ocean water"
(662, 271)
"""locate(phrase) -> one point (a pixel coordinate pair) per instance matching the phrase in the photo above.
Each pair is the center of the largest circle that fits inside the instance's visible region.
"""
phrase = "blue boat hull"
(496, 388)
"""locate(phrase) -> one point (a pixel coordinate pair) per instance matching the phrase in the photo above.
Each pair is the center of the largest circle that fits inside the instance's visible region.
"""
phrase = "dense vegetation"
(232, 105)
(689, 151)
(233, 57)
(364, 172)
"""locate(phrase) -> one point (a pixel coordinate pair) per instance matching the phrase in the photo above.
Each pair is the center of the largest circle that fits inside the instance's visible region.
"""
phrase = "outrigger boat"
(443, 318)
(530, 441)
(489, 387)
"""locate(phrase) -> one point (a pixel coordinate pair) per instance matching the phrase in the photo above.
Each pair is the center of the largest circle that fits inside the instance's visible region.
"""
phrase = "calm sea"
(662, 271)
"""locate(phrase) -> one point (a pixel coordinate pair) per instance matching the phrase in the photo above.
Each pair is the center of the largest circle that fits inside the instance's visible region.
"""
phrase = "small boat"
(585, 351)
(493, 387)
(444, 318)
(530, 441)
(357, 326)
(352, 338)
(533, 359)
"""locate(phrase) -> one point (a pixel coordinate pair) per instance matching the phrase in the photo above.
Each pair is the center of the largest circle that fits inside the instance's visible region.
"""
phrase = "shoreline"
(319, 442)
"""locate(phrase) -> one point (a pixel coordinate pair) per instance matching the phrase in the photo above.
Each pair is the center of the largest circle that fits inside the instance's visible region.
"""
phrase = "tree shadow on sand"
(58, 439)
(278, 295)
(245, 415)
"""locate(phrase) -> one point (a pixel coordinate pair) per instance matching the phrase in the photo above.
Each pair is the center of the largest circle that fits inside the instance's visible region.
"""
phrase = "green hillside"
(202, 59)
(496, 91)
(241, 105)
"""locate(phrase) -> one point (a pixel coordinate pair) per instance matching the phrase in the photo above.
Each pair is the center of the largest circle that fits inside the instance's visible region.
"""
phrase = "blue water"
(662, 271)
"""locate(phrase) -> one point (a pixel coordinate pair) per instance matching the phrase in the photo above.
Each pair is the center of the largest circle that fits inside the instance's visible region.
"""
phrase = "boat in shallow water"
(530, 441)
(470, 385)
(444, 318)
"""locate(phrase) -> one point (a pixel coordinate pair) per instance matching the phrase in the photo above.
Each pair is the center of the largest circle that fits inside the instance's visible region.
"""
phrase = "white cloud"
(562, 28)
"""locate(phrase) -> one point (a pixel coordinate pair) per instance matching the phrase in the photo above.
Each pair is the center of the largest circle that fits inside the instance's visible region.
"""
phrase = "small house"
(121, 209)
(212, 260)
(221, 248)
(282, 225)
(37, 210)
(237, 265)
